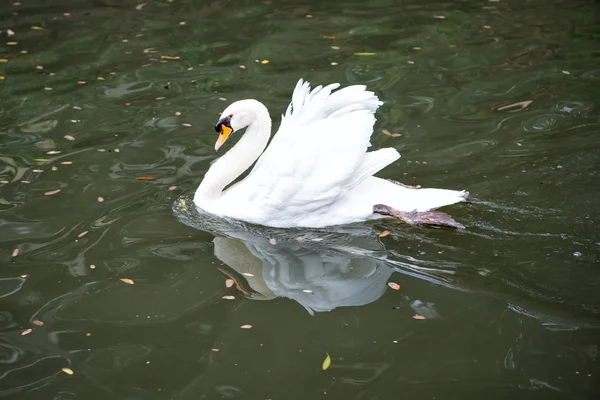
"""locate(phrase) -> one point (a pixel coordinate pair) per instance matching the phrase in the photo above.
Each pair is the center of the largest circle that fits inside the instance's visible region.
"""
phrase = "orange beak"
(223, 136)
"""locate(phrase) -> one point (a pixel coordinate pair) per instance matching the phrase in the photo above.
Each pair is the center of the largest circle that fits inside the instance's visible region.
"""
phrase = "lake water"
(497, 97)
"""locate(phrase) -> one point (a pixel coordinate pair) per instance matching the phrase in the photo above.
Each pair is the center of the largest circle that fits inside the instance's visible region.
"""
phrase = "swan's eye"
(224, 125)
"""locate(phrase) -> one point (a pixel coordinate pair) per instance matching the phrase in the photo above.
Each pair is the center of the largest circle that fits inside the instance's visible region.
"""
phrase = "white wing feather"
(318, 154)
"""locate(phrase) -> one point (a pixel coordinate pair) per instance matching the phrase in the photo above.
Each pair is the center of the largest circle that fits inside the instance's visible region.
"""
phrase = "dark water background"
(498, 97)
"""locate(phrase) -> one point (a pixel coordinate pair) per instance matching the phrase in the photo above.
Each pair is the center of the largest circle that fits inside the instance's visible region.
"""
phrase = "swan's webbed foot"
(434, 218)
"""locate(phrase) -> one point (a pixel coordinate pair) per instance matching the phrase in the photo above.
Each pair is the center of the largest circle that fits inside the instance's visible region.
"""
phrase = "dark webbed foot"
(435, 218)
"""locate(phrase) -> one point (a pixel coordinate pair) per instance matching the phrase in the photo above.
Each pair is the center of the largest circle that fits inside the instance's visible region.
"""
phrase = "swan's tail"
(407, 198)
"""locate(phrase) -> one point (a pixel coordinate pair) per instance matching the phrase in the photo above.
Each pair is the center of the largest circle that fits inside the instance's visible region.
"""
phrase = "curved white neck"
(237, 160)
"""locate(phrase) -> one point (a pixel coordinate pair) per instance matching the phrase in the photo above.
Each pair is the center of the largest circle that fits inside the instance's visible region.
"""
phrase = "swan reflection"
(319, 278)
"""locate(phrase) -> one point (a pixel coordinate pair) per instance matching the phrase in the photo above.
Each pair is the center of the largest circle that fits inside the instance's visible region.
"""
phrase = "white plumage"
(316, 172)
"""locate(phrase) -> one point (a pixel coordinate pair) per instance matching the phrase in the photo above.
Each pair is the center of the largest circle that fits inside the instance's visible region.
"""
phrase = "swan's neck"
(237, 160)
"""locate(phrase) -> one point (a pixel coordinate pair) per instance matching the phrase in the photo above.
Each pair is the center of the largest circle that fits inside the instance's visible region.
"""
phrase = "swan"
(317, 171)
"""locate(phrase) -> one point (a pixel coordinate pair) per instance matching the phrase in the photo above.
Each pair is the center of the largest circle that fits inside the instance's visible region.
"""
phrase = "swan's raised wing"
(318, 154)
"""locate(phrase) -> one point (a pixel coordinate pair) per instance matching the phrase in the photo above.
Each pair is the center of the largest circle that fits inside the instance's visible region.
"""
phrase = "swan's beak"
(224, 129)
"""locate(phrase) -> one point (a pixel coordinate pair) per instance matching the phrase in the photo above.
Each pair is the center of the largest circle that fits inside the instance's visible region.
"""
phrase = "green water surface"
(497, 97)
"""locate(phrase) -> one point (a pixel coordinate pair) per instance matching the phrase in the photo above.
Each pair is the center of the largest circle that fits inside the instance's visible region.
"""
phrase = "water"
(498, 97)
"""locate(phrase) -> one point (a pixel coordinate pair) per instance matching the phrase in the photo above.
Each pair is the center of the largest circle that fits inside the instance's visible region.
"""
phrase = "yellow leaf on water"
(264, 62)
(388, 133)
(68, 371)
(365, 54)
(127, 281)
(384, 234)
(36, 28)
(326, 362)
(329, 37)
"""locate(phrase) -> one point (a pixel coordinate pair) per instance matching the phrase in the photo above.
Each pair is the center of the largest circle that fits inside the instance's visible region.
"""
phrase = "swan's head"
(235, 117)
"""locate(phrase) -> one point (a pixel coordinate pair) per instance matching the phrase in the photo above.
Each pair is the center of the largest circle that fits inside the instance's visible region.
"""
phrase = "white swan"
(316, 172)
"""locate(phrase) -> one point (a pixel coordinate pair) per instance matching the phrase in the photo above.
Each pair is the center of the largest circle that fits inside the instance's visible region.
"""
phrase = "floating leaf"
(388, 133)
(264, 62)
(365, 54)
(15, 252)
(69, 137)
(42, 160)
(229, 283)
(182, 204)
(50, 193)
(26, 332)
(384, 234)
(170, 57)
(127, 281)
(518, 106)
(246, 326)
(37, 322)
(12, 43)
(3, 60)
(329, 37)
(81, 82)
(36, 28)
(144, 178)
(418, 316)
(67, 371)
(48, 88)
(439, 17)
(229, 297)
(394, 285)
(326, 362)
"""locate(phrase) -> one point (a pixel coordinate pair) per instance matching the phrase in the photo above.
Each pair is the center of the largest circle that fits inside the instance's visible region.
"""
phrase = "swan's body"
(316, 172)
